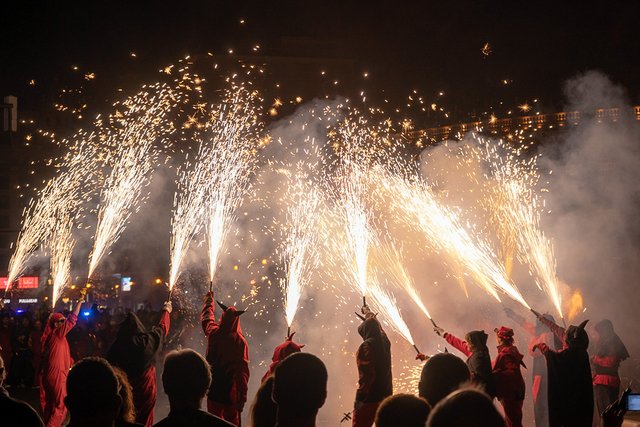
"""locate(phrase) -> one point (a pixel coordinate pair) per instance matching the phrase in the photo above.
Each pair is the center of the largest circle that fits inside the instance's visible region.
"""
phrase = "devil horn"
(238, 313)
(222, 306)
(361, 317)
(583, 324)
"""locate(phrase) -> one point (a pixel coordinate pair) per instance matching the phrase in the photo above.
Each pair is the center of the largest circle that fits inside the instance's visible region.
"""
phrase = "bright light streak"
(385, 303)
(61, 246)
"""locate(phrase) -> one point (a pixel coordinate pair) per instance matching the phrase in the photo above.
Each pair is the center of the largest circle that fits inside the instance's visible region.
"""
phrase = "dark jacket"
(478, 360)
(192, 418)
(15, 412)
(374, 363)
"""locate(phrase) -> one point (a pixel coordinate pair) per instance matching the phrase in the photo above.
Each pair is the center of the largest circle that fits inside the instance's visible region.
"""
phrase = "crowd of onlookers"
(113, 379)
(95, 331)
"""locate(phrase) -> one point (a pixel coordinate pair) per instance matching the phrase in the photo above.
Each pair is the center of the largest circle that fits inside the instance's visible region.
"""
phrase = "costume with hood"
(508, 379)
(375, 381)
(540, 333)
(55, 365)
(228, 356)
(283, 350)
(135, 352)
(570, 389)
(610, 352)
(478, 360)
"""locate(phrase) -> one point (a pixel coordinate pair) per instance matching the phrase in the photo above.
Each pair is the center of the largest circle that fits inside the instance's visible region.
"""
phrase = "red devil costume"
(280, 353)
(610, 352)
(539, 334)
(56, 362)
(228, 356)
(478, 358)
(375, 382)
(570, 389)
(135, 352)
(508, 378)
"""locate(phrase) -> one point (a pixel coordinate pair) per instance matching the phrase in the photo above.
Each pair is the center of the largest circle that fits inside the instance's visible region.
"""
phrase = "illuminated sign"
(27, 300)
(126, 284)
(3, 282)
(28, 282)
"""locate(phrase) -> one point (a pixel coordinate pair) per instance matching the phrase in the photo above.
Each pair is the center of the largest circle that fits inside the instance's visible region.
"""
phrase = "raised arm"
(557, 330)
(457, 343)
(207, 318)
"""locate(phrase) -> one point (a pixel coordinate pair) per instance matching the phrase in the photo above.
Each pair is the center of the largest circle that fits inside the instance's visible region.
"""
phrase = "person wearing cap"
(56, 362)
(508, 379)
(474, 346)
(228, 356)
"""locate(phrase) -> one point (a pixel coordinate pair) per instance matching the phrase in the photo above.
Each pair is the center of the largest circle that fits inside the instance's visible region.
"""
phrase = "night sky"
(429, 46)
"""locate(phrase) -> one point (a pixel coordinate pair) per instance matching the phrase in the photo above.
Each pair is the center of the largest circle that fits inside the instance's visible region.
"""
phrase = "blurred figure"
(299, 390)
(135, 351)
(6, 347)
(475, 348)
(186, 378)
(610, 352)
(15, 412)
(570, 388)
(540, 333)
(35, 341)
(403, 410)
(56, 361)
(92, 394)
(228, 356)
(283, 350)
(442, 374)
(264, 409)
(127, 414)
(466, 408)
(21, 373)
(508, 378)
(375, 381)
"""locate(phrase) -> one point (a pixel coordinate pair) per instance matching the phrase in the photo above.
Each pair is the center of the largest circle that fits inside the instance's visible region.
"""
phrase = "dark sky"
(428, 45)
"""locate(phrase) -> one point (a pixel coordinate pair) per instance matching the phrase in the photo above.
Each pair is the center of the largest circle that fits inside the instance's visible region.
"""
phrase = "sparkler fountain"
(298, 249)
(61, 247)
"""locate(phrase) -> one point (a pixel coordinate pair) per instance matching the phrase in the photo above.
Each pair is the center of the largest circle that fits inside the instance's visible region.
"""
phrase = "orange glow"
(575, 305)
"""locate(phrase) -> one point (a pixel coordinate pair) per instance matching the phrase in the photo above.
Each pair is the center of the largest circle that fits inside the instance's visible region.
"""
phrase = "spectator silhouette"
(14, 412)
(92, 394)
(442, 374)
(404, 410)
(468, 407)
(264, 409)
(127, 415)
(299, 390)
(186, 379)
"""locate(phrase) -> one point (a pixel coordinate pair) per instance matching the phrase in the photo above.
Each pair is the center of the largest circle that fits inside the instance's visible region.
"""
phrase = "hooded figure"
(375, 382)
(56, 362)
(228, 356)
(285, 349)
(610, 352)
(570, 389)
(135, 352)
(507, 377)
(478, 359)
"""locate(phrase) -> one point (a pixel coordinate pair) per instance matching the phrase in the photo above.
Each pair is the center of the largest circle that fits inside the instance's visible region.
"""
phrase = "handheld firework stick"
(416, 349)
(433, 323)
(210, 285)
(288, 331)
(364, 301)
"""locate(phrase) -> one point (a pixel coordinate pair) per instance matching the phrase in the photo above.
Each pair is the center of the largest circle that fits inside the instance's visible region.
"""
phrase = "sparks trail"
(384, 302)
(416, 201)
(230, 162)
(517, 208)
(134, 134)
(298, 252)
(61, 248)
(388, 261)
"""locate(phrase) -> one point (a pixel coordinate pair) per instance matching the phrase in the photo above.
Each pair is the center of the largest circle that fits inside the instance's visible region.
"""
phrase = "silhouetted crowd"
(113, 381)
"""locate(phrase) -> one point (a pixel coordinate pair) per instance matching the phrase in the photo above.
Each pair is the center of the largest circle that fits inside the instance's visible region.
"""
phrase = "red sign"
(28, 282)
(3, 282)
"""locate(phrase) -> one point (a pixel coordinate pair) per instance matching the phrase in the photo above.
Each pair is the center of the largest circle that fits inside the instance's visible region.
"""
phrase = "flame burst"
(298, 252)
